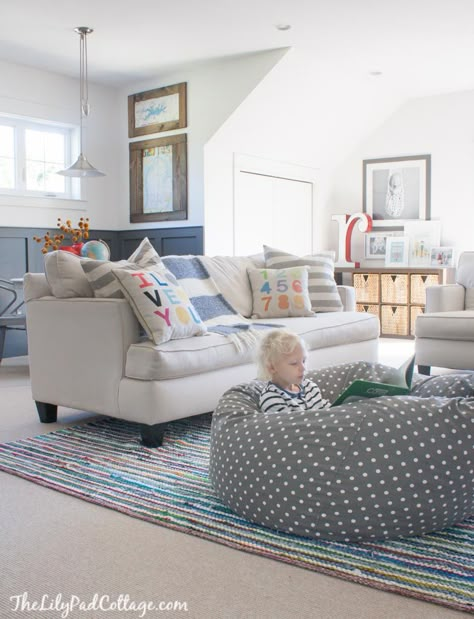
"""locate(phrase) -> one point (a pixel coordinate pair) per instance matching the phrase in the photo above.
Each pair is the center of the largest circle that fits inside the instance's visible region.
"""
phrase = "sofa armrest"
(445, 298)
(77, 350)
(35, 286)
(347, 294)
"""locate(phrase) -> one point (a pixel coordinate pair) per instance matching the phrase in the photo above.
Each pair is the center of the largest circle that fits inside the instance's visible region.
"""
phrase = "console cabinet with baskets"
(396, 295)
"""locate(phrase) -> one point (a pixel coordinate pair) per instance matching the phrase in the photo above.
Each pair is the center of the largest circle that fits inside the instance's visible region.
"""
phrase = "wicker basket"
(366, 286)
(394, 320)
(394, 287)
(414, 312)
(418, 284)
(368, 309)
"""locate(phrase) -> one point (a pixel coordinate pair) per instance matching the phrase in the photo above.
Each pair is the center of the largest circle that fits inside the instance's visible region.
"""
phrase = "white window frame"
(20, 125)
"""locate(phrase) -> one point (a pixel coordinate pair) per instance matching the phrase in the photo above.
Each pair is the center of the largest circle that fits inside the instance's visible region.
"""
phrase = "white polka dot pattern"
(374, 469)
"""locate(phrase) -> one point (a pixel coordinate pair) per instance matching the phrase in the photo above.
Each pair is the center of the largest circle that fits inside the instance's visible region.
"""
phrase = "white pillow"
(65, 275)
(278, 293)
(230, 276)
(160, 304)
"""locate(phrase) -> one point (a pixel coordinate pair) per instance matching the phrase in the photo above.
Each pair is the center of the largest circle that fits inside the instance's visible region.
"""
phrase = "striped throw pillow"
(321, 284)
(99, 272)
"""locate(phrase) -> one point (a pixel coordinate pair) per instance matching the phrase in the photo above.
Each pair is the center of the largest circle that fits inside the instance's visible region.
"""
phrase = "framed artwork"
(153, 111)
(396, 251)
(158, 179)
(376, 244)
(442, 256)
(397, 189)
(423, 236)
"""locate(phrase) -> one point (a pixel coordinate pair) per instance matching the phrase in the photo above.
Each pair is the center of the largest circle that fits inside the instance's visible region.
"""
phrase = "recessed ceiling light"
(375, 73)
(283, 26)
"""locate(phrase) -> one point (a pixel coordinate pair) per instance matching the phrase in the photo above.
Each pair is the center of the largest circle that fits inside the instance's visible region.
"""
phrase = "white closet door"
(252, 212)
(272, 211)
(292, 216)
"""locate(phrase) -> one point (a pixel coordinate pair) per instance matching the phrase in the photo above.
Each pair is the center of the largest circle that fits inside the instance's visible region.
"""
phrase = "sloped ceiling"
(422, 47)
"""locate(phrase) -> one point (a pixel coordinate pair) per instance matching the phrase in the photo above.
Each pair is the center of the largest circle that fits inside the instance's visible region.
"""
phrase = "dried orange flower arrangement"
(76, 235)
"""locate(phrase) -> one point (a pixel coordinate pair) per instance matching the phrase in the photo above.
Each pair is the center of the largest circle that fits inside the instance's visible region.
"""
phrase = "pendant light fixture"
(82, 167)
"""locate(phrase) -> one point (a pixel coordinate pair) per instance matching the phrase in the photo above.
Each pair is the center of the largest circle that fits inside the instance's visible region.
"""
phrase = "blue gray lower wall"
(20, 254)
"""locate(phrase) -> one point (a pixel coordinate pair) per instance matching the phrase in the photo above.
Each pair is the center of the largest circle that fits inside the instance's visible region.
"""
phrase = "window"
(7, 157)
(31, 154)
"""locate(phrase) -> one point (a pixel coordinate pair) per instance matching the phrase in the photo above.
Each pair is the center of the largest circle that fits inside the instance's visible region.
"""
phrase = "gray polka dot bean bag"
(373, 469)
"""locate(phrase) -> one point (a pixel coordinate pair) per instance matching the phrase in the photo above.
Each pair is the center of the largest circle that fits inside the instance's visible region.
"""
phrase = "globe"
(98, 250)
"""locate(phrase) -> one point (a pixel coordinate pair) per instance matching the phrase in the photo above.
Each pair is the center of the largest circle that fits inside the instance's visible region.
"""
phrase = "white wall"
(48, 96)
(214, 91)
(442, 126)
(275, 105)
(299, 114)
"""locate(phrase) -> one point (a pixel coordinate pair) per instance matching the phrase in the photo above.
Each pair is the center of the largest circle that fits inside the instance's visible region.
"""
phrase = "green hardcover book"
(400, 385)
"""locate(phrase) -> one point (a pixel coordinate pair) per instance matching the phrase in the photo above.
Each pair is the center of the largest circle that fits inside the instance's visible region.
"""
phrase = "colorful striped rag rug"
(103, 462)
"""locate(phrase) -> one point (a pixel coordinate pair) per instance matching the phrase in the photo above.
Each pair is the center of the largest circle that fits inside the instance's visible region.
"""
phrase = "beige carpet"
(52, 544)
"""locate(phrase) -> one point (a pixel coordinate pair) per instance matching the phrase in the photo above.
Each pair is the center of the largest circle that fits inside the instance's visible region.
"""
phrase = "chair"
(10, 315)
(444, 334)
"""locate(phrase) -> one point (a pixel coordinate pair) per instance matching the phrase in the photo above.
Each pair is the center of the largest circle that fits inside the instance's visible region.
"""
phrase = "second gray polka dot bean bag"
(369, 470)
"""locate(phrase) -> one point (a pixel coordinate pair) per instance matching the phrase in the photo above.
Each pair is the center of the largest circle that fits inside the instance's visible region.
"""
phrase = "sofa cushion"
(277, 293)
(160, 304)
(322, 286)
(178, 358)
(100, 276)
(446, 325)
(65, 275)
(469, 299)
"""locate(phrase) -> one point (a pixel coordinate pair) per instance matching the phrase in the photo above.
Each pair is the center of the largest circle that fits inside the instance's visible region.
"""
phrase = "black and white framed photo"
(397, 189)
(376, 244)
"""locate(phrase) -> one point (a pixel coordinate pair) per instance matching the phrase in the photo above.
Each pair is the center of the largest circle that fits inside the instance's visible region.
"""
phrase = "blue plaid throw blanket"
(217, 314)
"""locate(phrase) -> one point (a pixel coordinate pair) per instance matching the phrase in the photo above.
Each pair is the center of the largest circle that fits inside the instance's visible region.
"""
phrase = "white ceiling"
(421, 46)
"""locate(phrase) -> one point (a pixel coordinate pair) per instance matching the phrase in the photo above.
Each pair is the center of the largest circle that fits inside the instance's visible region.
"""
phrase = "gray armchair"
(444, 334)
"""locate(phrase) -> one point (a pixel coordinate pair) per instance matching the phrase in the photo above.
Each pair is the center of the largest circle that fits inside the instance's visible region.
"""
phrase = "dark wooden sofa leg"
(152, 436)
(48, 413)
(424, 369)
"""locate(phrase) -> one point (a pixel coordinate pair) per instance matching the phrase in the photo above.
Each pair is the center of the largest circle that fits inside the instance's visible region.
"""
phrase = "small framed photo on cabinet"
(397, 251)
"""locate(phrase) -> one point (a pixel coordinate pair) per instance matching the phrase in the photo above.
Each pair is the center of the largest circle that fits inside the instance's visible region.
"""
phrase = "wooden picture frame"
(154, 111)
(158, 179)
(397, 189)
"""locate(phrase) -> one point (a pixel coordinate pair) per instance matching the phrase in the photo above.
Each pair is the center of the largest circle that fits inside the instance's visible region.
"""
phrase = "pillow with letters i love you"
(160, 304)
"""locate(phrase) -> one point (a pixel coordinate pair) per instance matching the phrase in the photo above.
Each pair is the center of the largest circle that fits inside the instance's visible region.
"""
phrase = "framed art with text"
(154, 111)
(396, 252)
(158, 179)
(397, 189)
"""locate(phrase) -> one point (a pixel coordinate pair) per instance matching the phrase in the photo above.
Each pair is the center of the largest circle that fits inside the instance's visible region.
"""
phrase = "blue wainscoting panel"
(20, 254)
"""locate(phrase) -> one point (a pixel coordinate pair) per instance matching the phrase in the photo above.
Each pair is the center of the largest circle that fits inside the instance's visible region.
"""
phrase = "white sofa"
(87, 353)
